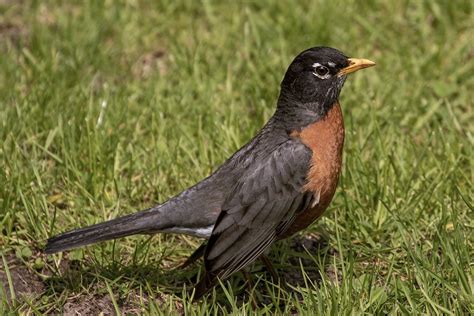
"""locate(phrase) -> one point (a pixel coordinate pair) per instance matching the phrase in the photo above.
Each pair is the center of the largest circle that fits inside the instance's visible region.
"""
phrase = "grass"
(110, 107)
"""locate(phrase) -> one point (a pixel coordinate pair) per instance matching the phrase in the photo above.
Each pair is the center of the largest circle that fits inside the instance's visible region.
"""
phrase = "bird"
(277, 184)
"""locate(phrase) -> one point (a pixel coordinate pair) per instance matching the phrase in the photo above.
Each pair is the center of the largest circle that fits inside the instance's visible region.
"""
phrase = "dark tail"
(191, 209)
(138, 223)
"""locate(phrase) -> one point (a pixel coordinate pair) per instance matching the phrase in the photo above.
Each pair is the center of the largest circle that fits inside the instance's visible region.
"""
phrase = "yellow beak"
(354, 65)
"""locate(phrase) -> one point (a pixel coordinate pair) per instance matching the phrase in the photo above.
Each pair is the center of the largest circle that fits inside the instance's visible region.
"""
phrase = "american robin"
(275, 185)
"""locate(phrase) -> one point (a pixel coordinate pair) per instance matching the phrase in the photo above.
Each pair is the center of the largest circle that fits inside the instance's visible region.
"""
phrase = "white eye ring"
(321, 71)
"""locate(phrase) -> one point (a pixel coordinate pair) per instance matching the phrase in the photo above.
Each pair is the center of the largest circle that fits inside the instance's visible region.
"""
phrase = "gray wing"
(262, 205)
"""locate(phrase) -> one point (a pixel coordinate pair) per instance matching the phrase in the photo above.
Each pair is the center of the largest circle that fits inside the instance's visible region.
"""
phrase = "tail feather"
(137, 223)
(190, 212)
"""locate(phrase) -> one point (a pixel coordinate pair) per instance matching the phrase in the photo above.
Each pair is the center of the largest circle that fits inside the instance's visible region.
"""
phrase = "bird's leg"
(250, 288)
(268, 265)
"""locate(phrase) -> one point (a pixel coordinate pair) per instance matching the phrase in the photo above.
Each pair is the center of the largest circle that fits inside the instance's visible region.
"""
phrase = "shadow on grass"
(296, 260)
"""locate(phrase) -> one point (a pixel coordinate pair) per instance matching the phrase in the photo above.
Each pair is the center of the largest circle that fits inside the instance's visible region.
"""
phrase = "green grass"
(186, 83)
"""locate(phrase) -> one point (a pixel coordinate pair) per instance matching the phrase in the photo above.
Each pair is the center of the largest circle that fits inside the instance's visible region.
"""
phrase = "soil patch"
(25, 282)
(89, 305)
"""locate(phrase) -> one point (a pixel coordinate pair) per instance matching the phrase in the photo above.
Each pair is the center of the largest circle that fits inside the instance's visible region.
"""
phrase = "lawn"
(111, 107)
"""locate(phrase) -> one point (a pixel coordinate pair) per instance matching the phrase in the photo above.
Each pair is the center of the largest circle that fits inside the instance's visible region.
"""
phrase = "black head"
(315, 78)
(313, 75)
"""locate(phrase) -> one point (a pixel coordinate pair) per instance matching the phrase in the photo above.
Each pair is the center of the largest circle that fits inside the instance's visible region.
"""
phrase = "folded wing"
(262, 205)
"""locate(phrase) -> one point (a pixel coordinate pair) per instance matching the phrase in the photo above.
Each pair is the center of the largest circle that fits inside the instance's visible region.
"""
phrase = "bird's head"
(316, 76)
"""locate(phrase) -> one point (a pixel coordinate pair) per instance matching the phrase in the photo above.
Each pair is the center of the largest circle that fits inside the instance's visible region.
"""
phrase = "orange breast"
(326, 140)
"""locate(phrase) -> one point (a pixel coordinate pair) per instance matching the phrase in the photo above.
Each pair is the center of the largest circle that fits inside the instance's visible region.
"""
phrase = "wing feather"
(263, 204)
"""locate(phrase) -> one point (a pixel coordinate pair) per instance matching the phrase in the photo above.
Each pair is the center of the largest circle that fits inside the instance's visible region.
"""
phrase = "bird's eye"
(321, 70)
